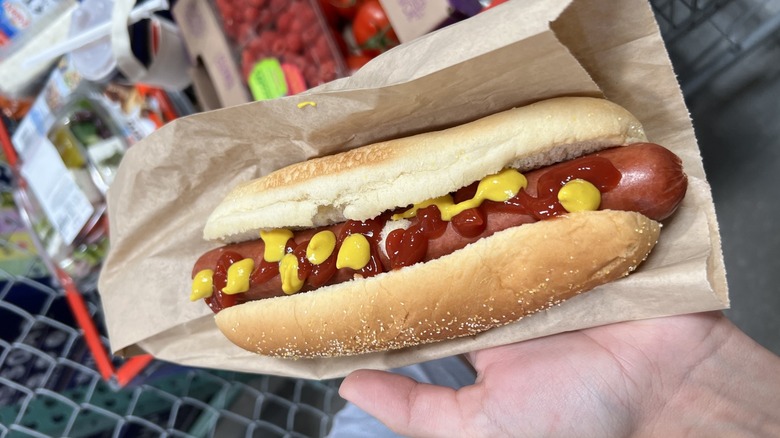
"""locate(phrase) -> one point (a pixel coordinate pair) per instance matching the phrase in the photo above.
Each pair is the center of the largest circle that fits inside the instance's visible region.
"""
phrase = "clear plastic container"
(94, 61)
(81, 258)
(85, 133)
(90, 146)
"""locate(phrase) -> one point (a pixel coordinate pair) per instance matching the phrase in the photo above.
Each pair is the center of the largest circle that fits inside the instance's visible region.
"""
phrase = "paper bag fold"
(512, 55)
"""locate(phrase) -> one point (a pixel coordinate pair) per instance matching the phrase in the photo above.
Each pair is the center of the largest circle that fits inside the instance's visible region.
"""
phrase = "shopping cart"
(52, 385)
(58, 379)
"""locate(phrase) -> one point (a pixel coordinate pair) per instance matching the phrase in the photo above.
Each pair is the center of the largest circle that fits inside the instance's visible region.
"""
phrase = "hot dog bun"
(364, 182)
(490, 283)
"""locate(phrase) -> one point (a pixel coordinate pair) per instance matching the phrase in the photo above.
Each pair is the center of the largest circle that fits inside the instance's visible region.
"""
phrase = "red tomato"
(330, 13)
(340, 43)
(372, 29)
(354, 62)
(345, 8)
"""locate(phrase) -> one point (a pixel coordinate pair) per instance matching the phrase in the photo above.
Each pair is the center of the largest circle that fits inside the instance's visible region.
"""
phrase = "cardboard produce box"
(414, 18)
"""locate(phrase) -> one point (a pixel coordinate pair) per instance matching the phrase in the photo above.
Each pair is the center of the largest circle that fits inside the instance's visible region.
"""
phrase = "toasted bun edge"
(362, 183)
(492, 282)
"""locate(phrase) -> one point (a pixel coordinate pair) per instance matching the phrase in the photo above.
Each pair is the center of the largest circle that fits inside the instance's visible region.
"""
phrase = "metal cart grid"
(707, 37)
(50, 385)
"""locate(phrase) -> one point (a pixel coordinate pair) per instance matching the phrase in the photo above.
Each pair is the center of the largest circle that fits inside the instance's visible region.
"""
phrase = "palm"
(592, 382)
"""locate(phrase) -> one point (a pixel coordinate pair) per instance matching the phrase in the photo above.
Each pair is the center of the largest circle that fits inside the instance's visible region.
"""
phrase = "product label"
(55, 188)
(18, 15)
(296, 83)
(14, 17)
(66, 196)
(266, 81)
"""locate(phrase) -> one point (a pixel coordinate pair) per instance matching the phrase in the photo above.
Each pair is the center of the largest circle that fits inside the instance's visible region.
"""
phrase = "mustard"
(238, 277)
(355, 252)
(275, 243)
(202, 285)
(498, 187)
(442, 202)
(288, 272)
(579, 195)
(320, 247)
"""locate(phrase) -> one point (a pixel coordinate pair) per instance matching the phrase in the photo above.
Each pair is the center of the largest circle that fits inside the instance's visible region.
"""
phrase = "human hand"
(667, 376)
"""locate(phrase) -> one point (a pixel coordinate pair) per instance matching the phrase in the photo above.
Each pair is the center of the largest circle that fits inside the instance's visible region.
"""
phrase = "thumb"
(404, 405)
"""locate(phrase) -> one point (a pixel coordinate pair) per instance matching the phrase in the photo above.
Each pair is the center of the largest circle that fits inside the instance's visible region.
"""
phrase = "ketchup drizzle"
(218, 299)
(409, 246)
(470, 223)
(599, 171)
(371, 229)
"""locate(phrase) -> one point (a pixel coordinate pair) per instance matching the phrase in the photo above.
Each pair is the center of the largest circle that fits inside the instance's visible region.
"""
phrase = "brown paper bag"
(517, 53)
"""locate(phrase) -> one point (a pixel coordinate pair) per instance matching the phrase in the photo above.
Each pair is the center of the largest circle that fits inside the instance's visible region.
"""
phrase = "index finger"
(404, 405)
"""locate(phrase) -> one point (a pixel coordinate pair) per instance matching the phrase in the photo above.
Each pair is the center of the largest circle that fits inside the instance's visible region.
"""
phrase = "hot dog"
(255, 286)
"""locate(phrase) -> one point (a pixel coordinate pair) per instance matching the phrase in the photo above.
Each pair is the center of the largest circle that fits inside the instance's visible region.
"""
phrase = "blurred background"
(72, 106)
(727, 57)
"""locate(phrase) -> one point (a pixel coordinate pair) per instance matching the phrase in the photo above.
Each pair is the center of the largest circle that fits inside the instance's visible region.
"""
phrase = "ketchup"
(406, 247)
(372, 230)
(599, 171)
(314, 275)
(470, 223)
(218, 299)
(265, 271)
(320, 274)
